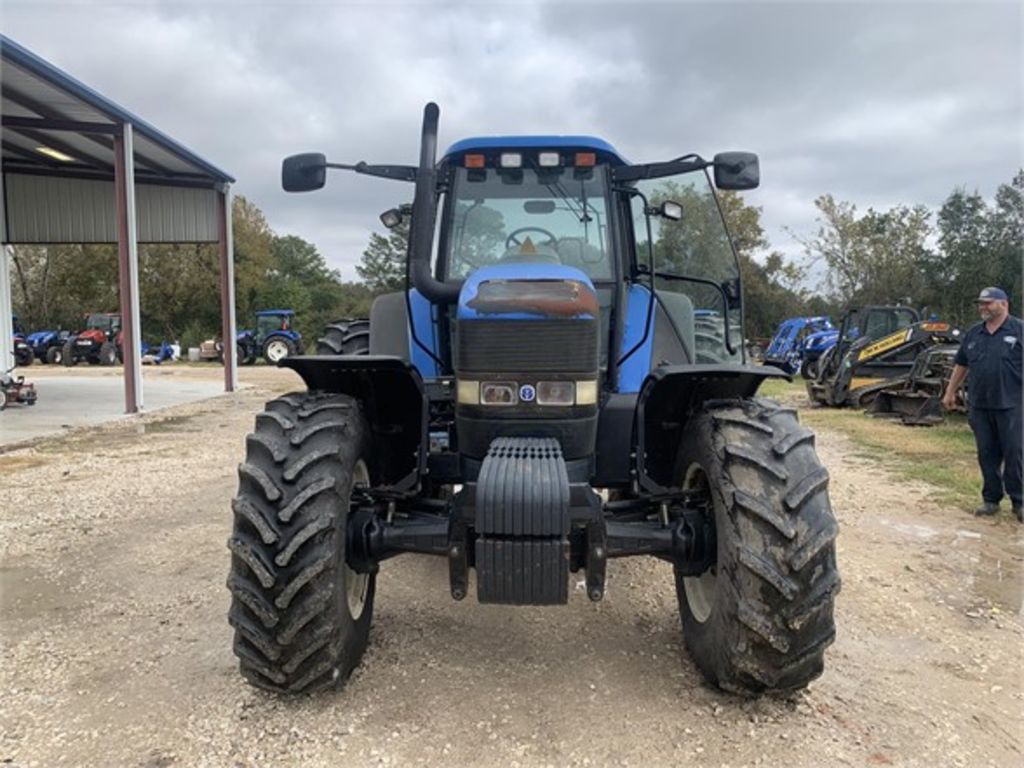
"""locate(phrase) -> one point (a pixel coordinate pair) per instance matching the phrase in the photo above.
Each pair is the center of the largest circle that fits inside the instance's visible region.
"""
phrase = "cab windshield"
(528, 215)
(269, 323)
(100, 322)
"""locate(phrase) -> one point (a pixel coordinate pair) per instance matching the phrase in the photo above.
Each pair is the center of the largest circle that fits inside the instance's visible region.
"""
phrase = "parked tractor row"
(882, 358)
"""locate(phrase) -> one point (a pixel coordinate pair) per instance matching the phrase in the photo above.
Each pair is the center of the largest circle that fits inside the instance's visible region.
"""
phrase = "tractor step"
(523, 519)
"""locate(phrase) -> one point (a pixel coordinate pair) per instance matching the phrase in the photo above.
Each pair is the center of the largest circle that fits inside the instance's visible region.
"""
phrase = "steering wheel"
(513, 237)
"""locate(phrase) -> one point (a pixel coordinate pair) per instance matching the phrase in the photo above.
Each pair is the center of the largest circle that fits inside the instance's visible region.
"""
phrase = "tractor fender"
(394, 401)
(670, 396)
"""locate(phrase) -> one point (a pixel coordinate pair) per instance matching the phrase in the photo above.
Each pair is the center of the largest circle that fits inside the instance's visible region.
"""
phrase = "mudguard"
(394, 401)
(669, 397)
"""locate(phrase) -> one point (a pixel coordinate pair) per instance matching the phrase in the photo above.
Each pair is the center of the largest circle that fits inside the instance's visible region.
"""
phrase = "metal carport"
(77, 168)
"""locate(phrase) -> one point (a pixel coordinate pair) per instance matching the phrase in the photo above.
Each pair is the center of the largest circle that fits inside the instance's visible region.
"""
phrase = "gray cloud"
(877, 103)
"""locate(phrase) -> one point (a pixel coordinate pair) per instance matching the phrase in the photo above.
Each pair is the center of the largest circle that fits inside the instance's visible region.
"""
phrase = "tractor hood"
(528, 292)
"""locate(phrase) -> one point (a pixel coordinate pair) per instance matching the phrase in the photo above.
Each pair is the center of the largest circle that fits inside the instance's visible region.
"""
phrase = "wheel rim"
(276, 350)
(700, 590)
(357, 584)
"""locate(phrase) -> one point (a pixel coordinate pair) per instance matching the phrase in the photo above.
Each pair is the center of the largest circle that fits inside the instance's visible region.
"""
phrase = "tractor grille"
(526, 346)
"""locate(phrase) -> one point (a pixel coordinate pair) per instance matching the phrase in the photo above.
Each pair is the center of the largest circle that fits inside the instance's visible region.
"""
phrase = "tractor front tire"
(301, 615)
(345, 337)
(809, 370)
(54, 355)
(761, 618)
(107, 354)
(68, 354)
(24, 359)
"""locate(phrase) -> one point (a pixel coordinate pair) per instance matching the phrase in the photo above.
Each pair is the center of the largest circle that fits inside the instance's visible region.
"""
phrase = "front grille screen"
(527, 346)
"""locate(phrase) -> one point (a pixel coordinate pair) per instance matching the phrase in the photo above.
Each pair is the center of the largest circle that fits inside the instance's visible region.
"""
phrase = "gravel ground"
(116, 650)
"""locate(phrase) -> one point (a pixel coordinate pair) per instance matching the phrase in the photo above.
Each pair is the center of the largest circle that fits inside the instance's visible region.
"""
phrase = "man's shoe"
(1018, 512)
(987, 509)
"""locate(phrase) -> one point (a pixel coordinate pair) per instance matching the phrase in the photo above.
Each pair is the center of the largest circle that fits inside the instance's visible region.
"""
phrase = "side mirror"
(671, 210)
(304, 173)
(737, 170)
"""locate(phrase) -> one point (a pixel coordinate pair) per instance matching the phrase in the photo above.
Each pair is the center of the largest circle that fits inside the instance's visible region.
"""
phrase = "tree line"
(905, 254)
(54, 287)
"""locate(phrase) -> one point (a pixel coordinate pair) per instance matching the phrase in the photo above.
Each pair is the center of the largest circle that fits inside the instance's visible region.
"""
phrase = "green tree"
(880, 257)
(382, 268)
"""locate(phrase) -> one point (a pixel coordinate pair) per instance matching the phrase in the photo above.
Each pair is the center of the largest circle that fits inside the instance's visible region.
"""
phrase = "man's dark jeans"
(997, 433)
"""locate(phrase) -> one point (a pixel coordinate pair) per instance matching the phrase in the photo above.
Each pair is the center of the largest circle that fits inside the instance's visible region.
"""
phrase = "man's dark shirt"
(993, 362)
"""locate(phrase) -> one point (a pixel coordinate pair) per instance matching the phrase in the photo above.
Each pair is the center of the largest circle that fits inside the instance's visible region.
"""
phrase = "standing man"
(990, 355)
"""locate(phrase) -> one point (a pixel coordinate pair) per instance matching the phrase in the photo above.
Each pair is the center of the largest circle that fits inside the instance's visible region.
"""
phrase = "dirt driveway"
(116, 650)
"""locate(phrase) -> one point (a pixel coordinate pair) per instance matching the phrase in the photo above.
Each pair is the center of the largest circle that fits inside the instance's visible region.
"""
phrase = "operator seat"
(529, 253)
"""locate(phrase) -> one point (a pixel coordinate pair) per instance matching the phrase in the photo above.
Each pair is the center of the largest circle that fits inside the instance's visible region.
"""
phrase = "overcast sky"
(876, 103)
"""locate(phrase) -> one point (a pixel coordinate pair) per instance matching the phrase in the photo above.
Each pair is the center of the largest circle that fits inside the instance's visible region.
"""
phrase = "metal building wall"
(48, 209)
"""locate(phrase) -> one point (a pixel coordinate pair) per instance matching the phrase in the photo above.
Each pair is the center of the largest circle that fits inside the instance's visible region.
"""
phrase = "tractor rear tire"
(25, 358)
(301, 615)
(345, 337)
(762, 617)
(68, 354)
(54, 355)
(276, 349)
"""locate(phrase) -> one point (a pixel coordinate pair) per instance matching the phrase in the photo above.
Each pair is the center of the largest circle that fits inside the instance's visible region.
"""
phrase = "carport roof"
(43, 107)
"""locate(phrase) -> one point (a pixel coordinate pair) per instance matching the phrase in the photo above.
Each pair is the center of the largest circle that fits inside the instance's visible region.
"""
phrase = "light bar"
(586, 159)
(511, 160)
(548, 159)
(56, 154)
(474, 161)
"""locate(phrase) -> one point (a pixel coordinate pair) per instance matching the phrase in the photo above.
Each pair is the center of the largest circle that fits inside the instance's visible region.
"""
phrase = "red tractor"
(98, 344)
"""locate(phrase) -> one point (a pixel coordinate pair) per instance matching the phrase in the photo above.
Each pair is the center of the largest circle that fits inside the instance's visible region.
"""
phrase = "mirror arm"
(397, 172)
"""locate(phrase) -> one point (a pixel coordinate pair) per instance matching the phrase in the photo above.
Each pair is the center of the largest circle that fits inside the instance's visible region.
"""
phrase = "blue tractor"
(47, 346)
(533, 406)
(273, 339)
(791, 349)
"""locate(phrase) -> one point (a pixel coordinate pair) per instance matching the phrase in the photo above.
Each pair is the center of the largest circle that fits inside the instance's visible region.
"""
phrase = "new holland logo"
(527, 393)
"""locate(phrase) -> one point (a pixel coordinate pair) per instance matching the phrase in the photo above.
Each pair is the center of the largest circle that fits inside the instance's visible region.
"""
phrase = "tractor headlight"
(498, 393)
(556, 393)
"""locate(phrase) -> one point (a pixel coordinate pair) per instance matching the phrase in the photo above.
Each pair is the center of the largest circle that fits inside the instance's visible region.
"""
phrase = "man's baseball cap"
(991, 294)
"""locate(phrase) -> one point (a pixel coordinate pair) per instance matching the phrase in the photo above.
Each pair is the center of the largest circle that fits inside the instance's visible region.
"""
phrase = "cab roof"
(606, 151)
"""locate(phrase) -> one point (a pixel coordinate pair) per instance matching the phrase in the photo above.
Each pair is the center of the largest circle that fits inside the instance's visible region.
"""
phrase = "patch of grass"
(943, 456)
(782, 390)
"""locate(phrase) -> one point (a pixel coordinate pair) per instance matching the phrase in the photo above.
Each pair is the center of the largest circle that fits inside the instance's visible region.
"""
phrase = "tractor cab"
(107, 323)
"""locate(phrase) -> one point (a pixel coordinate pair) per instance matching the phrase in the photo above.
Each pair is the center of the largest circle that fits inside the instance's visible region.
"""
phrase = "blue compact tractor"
(273, 339)
(537, 403)
(799, 343)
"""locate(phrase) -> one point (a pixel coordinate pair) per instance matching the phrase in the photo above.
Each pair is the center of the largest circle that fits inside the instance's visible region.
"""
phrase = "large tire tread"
(345, 337)
(777, 578)
(293, 630)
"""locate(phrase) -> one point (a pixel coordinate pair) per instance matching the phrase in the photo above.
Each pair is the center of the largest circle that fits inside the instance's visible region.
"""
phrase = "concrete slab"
(70, 401)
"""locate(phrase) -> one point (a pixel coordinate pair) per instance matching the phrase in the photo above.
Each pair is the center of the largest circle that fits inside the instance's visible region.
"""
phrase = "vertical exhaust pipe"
(421, 231)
